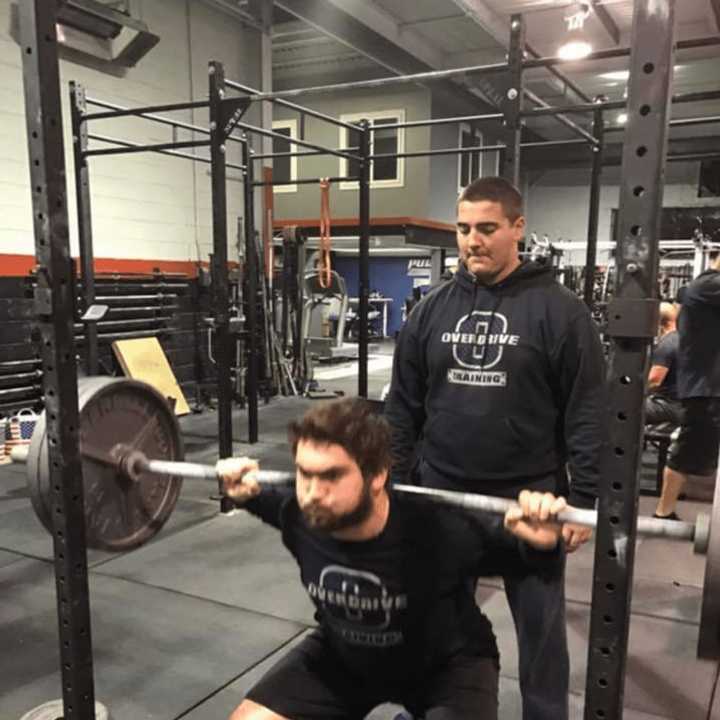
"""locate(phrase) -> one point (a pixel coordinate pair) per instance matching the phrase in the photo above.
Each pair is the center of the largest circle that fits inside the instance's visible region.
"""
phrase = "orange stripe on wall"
(21, 265)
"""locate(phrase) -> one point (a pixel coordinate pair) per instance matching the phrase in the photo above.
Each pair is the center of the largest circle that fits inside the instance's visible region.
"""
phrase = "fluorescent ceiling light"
(616, 75)
(622, 118)
(575, 50)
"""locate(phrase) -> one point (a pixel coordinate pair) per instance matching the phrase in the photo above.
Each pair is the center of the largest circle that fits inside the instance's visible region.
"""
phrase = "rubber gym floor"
(183, 626)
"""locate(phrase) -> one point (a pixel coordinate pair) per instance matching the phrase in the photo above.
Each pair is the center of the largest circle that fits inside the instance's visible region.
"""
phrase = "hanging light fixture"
(576, 45)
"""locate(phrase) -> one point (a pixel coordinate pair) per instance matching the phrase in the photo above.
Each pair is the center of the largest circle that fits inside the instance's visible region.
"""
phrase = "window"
(386, 172)
(284, 168)
(469, 164)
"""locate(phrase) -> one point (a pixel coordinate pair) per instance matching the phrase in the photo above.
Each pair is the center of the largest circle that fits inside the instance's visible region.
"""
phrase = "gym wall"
(145, 206)
(558, 203)
(444, 175)
(408, 200)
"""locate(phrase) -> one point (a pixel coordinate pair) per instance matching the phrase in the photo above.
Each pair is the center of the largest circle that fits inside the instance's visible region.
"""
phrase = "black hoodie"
(504, 383)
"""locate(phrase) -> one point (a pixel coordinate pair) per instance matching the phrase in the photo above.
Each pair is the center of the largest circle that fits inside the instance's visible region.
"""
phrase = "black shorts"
(695, 450)
(310, 684)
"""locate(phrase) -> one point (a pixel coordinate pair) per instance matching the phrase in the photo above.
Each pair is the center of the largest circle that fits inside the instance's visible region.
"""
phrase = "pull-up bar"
(293, 106)
(295, 141)
(147, 113)
(117, 111)
(130, 147)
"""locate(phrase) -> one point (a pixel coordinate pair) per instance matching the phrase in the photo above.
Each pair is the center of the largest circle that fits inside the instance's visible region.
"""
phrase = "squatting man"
(389, 575)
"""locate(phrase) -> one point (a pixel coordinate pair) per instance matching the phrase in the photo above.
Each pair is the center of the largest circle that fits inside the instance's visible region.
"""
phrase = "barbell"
(132, 459)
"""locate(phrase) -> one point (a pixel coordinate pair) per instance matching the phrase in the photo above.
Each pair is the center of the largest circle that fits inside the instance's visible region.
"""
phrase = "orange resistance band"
(324, 266)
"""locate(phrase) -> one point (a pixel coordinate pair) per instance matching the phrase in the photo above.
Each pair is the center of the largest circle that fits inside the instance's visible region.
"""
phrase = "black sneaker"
(671, 516)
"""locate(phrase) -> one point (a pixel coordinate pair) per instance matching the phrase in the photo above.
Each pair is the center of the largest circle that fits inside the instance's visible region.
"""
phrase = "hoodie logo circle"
(479, 338)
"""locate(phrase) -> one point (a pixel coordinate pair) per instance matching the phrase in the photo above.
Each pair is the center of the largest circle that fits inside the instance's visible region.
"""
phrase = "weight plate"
(54, 709)
(709, 634)
(119, 514)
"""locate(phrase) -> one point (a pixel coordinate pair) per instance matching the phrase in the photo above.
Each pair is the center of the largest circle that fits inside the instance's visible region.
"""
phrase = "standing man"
(695, 451)
(662, 404)
(499, 374)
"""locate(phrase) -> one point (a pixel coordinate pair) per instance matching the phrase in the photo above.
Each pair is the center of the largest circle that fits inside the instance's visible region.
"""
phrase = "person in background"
(662, 404)
(695, 450)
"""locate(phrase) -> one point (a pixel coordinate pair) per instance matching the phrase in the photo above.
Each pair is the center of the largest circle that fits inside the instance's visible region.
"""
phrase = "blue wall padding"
(388, 276)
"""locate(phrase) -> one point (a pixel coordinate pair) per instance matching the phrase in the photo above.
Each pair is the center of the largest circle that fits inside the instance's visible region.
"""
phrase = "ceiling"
(316, 42)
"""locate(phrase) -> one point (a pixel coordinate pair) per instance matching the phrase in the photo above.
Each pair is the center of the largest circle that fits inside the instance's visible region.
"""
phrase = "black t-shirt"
(699, 329)
(399, 604)
(665, 355)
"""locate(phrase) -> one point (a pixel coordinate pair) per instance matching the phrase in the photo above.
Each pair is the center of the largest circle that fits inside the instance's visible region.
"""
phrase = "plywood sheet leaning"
(144, 359)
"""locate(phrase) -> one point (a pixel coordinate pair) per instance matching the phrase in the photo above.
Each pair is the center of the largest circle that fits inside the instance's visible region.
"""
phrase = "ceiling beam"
(498, 29)
(382, 22)
(418, 45)
(606, 20)
(548, 158)
(486, 18)
(715, 7)
(375, 34)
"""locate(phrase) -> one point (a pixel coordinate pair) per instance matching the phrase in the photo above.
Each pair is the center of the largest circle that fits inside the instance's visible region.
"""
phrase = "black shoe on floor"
(671, 516)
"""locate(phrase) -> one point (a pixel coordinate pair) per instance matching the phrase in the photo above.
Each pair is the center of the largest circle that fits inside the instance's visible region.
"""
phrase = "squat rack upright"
(632, 317)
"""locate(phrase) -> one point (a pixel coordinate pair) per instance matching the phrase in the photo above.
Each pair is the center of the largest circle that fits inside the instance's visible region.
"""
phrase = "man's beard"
(319, 518)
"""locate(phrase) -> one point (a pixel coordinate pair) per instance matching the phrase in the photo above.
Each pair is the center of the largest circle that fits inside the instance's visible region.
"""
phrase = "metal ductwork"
(95, 31)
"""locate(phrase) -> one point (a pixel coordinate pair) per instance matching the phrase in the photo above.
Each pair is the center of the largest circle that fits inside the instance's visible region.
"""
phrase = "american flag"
(19, 429)
(4, 449)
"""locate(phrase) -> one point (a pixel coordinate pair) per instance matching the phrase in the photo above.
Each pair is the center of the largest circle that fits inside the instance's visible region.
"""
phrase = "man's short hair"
(353, 424)
(495, 189)
(668, 314)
